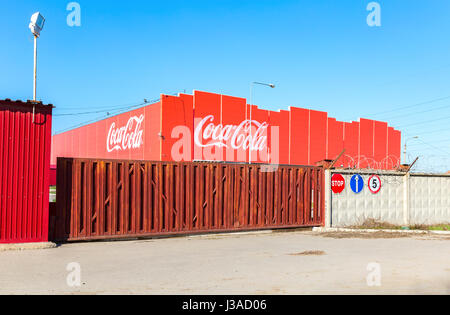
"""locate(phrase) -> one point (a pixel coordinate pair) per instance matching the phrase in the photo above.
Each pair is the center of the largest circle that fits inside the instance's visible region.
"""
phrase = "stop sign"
(337, 183)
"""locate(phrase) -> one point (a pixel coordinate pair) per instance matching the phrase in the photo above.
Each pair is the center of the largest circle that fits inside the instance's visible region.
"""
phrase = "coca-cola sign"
(249, 134)
(126, 137)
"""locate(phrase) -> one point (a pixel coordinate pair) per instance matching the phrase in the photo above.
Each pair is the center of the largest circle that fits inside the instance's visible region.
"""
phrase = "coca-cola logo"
(242, 136)
(127, 137)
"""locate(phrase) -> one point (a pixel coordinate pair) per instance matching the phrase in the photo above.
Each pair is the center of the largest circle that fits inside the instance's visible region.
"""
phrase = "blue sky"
(321, 54)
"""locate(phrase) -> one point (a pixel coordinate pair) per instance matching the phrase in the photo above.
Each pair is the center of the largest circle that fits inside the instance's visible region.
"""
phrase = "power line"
(425, 122)
(111, 108)
(432, 146)
(113, 113)
(94, 107)
(421, 112)
(101, 111)
(431, 142)
(411, 106)
(434, 131)
(110, 113)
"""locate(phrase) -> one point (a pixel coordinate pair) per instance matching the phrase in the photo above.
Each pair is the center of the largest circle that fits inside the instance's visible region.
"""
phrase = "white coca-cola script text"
(249, 134)
(127, 137)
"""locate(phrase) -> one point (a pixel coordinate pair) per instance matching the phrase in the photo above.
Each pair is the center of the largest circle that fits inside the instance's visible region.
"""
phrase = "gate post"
(328, 201)
(406, 199)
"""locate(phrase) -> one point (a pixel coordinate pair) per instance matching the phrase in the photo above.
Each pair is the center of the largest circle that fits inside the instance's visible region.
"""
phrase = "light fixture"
(37, 24)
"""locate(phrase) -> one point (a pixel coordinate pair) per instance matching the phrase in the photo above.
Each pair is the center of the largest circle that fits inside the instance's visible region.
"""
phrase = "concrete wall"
(405, 199)
(429, 199)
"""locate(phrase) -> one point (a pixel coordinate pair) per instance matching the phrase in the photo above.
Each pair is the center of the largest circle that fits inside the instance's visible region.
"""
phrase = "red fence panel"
(122, 199)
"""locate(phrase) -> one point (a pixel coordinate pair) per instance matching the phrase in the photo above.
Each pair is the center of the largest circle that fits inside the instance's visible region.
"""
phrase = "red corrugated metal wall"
(24, 172)
(305, 137)
(97, 140)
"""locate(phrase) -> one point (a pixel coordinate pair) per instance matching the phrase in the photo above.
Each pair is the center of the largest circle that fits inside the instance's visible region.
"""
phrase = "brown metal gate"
(125, 199)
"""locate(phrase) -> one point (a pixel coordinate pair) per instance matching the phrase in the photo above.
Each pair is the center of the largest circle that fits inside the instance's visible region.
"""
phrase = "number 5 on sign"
(375, 184)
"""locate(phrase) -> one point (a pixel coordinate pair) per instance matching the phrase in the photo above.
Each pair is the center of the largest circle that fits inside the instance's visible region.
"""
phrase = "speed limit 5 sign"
(375, 184)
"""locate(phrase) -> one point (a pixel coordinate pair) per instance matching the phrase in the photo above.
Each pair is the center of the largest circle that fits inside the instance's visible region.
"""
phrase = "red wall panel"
(335, 138)
(351, 144)
(77, 137)
(299, 136)
(381, 150)
(234, 112)
(318, 136)
(207, 104)
(280, 120)
(366, 143)
(177, 116)
(260, 116)
(83, 140)
(395, 145)
(153, 142)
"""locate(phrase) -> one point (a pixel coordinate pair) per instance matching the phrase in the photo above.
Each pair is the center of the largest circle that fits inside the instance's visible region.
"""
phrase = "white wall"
(403, 200)
(429, 200)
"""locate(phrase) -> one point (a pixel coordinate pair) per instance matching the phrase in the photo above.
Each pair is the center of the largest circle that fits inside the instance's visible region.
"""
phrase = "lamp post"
(35, 69)
(251, 114)
(406, 147)
(36, 25)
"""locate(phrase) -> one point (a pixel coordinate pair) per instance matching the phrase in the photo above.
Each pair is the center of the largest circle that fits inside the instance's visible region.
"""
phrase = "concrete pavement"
(278, 263)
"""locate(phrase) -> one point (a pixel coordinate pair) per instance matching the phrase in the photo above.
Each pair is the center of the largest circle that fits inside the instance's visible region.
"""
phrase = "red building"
(212, 127)
(25, 140)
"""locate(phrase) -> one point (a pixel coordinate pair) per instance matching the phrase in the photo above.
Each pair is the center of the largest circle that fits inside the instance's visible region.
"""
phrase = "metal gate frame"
(108, 199)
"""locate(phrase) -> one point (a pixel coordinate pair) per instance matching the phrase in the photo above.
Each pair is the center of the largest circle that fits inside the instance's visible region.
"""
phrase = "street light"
(36, 26)
(406, 147)
(251, 114)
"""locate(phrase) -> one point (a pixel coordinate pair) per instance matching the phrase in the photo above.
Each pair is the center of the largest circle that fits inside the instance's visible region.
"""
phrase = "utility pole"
(405, 153)
(251, 115)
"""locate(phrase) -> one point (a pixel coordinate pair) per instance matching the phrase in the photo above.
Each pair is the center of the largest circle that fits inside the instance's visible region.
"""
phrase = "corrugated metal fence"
(24, 171)
(123, 199)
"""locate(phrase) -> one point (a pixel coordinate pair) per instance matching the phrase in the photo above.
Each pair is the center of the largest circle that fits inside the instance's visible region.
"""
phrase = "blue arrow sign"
(357, 184)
